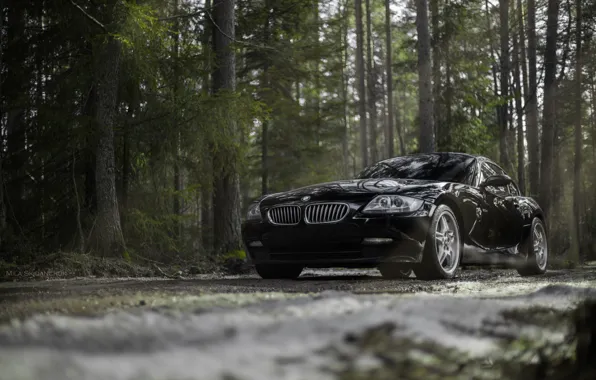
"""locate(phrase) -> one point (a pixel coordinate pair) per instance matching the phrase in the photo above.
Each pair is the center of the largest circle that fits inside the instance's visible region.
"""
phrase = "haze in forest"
(142, 129)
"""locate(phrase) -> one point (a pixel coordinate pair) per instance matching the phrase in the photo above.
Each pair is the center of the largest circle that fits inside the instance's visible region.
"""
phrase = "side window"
(490, 170)
(497, 169)
(486, 171)
(513, 189)
(469, 174)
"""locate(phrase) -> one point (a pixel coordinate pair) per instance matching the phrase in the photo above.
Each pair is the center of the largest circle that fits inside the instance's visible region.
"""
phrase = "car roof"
(442, 154)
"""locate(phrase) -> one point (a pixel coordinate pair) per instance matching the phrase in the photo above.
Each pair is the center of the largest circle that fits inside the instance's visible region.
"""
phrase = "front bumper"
(357, 241)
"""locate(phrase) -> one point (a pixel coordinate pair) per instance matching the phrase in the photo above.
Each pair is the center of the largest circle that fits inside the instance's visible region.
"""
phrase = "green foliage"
(295, 76)
(238, 254)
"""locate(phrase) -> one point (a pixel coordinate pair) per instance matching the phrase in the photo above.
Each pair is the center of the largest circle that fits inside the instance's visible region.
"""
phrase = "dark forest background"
(142, 129)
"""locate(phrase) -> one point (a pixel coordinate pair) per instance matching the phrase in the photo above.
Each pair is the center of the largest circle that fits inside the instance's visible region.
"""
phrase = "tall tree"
(550, 103)
(425, 95)
(436, 63)
(317, 73)
(14, 86)
(265, 131)
(503, 113)
(343, 35)
(2, 204)
(106, 68)
(532, 103)
(226, 200)
(519, 93)
(371, 86)
(577, 180)
(360, 85)
(493, 59)
(443, 131)
(133, 108)
(177, 206)
(206, 39)
(523, 93)
(389, 73)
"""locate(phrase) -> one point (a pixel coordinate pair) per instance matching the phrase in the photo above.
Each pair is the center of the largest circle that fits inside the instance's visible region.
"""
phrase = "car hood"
(358, 189)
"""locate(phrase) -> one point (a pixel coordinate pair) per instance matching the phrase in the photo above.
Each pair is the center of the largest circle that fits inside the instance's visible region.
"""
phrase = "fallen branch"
(91, 18)
(176, 277)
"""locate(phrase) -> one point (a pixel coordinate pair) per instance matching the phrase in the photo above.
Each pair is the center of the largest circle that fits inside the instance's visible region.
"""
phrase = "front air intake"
(321, 213)
(284, 215)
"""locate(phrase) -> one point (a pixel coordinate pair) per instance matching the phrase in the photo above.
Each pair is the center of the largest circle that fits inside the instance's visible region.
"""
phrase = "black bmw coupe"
(426, 213)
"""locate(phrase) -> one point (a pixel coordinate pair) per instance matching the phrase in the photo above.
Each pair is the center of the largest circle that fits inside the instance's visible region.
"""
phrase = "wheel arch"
(527, 229)
(449, 200)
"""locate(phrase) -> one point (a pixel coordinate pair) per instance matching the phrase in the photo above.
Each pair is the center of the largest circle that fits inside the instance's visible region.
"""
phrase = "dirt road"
(330, 324)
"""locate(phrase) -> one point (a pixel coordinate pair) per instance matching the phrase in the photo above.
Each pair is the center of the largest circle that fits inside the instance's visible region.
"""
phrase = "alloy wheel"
(540, 245)
(447, 242)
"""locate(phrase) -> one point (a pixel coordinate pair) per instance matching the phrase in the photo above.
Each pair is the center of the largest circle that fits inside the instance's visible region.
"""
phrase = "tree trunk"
(425, 101)
(266, 85)
(492, 58)
(177, 204)
(593, 113)
(371, 79)
(107, 229)
(444, 130)
(206, 47)
(503, 114)
(41, 74)
(522, 51)
(317, 76)
(436, 65)
(133, 109)
(521, 177)
(399, 123)
(566, 45)
(383, 95)
(90, 189)
(522, 62)
(360, 86)
(577, 185)
(550, 103)
(389, 61)
(226, 200)
(344, 92)
(2, 204)
(14, 92)
(532, 104)
(207, 180)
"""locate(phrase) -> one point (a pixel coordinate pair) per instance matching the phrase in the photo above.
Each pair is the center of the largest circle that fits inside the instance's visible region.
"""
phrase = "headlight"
(254, 212)
(386, 204)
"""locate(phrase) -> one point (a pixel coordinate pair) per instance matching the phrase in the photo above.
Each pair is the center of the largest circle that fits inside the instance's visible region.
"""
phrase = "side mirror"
(496, 181)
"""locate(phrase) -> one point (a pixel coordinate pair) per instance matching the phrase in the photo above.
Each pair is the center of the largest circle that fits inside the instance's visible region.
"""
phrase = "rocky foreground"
(327, 325)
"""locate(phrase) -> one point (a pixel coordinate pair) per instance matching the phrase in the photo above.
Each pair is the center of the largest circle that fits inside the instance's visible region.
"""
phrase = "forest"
(141, 129)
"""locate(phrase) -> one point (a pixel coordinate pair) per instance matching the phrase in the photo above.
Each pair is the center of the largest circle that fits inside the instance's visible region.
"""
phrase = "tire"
(278, 271)
(395, 271)
(443, 240)
(536, 250)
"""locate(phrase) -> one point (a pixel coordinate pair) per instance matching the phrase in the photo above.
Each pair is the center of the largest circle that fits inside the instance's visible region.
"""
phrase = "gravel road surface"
(329, 324)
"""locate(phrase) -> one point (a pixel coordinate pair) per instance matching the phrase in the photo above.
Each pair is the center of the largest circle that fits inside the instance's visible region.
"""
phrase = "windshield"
(431, 167)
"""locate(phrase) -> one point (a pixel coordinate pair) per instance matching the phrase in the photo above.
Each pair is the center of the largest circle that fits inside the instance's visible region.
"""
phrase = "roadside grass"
(69, 265)
(64, 265)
